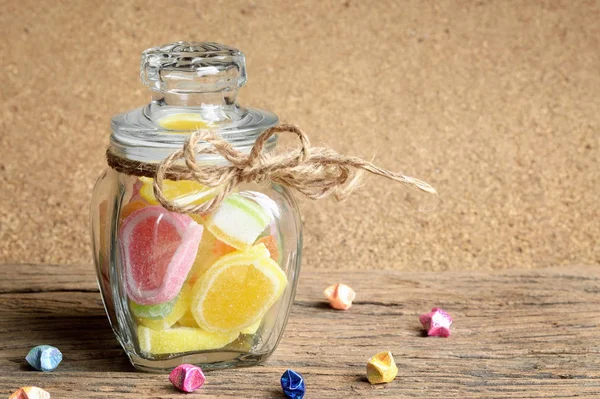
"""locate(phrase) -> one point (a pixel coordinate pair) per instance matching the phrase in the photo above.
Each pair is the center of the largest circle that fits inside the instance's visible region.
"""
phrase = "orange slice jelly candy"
(129, 208)
(271, 244)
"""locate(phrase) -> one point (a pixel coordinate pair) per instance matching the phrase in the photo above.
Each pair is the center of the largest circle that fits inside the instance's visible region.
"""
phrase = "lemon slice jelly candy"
(237, 290)
(188, 320)
(182, 192)
(168, 320)
(238, 221)
(251, 330)
(158, 250)
(183, 122)
(181, 339)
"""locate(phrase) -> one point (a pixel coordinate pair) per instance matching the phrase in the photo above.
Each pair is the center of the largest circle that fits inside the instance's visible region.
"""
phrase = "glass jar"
(211, 289)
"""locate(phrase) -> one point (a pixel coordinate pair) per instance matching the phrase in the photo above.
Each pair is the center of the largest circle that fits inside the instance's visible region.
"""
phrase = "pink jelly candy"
(158, 249)
(437, 323)
(187, 377)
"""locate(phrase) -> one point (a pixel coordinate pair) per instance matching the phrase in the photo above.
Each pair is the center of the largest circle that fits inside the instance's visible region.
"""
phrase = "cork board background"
(495, 103)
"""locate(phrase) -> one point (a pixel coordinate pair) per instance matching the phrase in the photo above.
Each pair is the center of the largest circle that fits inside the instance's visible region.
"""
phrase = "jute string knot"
(314, 171)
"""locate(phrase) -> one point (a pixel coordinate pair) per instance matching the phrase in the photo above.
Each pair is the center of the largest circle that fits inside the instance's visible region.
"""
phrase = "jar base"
(207, 361)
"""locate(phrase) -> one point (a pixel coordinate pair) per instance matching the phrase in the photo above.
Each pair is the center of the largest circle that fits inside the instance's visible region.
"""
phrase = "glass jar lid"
(194, 86)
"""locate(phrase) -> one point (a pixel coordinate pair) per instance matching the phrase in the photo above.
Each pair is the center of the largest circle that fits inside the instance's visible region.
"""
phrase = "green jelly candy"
(153, 312)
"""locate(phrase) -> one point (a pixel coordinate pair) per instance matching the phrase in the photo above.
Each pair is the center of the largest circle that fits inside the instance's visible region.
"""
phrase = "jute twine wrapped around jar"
(316, 172)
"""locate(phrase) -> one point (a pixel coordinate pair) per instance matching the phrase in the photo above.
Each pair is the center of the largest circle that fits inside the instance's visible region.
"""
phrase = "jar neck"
(213, 107)
(223, 98)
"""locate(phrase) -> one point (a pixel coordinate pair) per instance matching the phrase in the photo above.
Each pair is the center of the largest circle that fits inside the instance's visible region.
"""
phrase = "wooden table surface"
(516, 334)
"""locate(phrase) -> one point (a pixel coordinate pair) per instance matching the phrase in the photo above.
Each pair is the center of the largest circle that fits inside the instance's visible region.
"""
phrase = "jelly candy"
(181, 339)
(220, 249)
(237, 290)
(340, 296)
(183, 121)
(251, 330)
(187, 320)
(437, 323)
(292, 384)
(381, 368)
(30, 393)
(44, 358)
(182, 304)
(159, 248)
(129, 208)
(182, 192)
(238, 221)
(187, 377)
(271, 244)
(205, 256)
(152, 312)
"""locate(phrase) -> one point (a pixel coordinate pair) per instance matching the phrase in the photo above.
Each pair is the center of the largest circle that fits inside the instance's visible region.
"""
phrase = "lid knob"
(192, 67)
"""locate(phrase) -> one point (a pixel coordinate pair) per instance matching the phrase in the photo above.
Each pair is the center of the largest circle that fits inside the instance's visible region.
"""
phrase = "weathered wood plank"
(47, 278)
(533, 334)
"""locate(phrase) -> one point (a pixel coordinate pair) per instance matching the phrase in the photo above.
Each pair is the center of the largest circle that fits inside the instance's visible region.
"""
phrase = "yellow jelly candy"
(181, 339)
(181, 306)
(237, 290)
(381, 368)
(252, 329)
(182, 192)
(183, 121)
(187, 320)
(205, 257)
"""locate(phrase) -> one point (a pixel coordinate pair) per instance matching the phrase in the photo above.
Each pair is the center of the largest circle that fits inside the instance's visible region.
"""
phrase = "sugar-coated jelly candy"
(129, 208)
(158, 250)
(183, 121)
(182, 304)
(252, 329)
(238, 221)
(182, 192)
(205, 257)
(152, 312)
(181, 339)
(187, 320)
(237, 290)
(271, 244)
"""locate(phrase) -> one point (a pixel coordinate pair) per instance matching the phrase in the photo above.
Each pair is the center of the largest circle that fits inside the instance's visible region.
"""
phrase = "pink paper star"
(437, 323)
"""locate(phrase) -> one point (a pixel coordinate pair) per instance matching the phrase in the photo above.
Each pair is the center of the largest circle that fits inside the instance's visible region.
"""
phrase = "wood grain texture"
(516, 334)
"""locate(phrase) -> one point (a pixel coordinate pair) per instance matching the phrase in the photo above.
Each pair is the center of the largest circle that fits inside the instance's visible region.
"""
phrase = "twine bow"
(314, 171)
